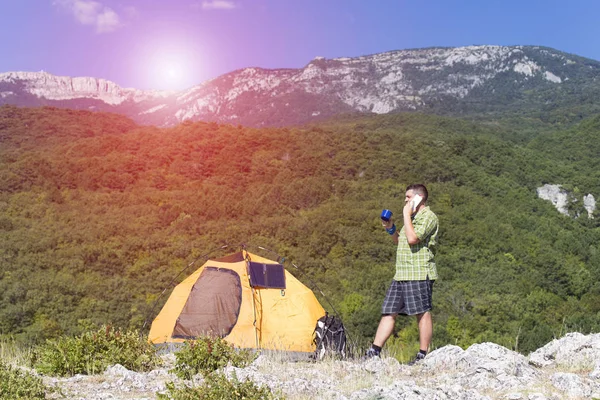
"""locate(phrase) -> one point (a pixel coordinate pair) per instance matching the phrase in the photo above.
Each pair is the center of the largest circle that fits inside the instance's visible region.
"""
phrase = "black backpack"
(330, 337)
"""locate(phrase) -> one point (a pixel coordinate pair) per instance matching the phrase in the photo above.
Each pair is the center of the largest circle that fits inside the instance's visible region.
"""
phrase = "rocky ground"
(566, 368)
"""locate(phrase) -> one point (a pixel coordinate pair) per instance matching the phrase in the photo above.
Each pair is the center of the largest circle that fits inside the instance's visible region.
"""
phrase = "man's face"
(409, 196)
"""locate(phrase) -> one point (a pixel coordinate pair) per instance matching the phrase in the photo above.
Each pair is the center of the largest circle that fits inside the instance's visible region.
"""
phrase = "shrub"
(93, 352)
(218, 387)
(16, 384)
(208, 354)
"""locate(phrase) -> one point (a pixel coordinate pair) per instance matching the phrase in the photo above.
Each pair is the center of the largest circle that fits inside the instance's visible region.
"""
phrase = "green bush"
(93, 352)
(218, 387)
(16, 384)
(208, 354)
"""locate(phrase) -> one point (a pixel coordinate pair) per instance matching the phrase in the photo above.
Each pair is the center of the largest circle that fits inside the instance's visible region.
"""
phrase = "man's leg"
(389, 310)
(425, 323)
(385, 329)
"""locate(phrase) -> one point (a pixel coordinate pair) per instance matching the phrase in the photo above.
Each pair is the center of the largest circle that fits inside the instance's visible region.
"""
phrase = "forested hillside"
(99, 215)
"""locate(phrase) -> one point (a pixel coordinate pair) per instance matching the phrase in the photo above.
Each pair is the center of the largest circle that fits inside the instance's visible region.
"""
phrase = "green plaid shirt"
(415, 263)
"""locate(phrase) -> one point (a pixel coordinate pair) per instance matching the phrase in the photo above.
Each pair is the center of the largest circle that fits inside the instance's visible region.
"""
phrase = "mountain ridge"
(443, 80)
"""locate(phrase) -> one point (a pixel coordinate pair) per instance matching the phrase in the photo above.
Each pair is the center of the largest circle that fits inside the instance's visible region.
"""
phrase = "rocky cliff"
(563, 200)
(566, 368)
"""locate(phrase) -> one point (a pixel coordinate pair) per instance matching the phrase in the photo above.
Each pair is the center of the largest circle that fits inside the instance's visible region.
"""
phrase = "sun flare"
(170, 73)
(173, 74)
(170, 67)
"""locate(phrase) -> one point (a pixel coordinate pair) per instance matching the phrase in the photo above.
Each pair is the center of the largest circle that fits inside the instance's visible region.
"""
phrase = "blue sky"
(176, 44)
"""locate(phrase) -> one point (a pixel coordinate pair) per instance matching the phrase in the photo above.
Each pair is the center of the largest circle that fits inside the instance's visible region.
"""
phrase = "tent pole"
(255, 328)
(247, 258)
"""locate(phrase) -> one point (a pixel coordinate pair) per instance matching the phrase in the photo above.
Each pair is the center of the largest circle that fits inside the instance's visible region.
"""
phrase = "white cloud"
(131, 12)
(89, 12)
(107, 21)
(218, 5)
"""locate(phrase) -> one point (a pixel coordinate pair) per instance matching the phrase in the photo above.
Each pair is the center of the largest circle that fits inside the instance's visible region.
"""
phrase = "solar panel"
(266, 275)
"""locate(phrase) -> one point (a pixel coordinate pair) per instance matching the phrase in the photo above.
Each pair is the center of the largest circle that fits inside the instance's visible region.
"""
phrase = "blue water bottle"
(386, 215)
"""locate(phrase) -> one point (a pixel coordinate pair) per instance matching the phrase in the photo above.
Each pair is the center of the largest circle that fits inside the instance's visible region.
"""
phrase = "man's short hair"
(420, 189)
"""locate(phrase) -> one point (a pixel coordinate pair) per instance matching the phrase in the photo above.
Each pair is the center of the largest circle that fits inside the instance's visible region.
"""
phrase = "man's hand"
(387, 224)
(407, 211)
(409, 229)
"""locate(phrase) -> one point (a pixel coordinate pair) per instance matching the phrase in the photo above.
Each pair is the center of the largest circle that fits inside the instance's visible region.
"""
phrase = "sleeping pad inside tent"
(248, 300)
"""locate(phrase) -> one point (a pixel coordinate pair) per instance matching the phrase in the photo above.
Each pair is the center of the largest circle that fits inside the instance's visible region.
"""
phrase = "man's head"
(419, 189)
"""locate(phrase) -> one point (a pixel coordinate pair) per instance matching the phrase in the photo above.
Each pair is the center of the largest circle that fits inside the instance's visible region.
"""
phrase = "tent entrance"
(213, 305)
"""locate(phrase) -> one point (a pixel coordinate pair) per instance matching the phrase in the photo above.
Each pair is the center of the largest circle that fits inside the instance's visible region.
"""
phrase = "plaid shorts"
(408, 297)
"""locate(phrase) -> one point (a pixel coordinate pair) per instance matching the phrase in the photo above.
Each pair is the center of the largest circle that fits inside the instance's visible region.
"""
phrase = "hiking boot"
(370, 353)
(420, 356)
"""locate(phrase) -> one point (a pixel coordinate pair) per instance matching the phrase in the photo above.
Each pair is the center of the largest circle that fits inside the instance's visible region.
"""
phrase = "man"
(411, 290)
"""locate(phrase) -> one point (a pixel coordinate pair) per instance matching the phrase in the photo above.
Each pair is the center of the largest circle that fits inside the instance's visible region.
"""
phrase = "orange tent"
(248, 300)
